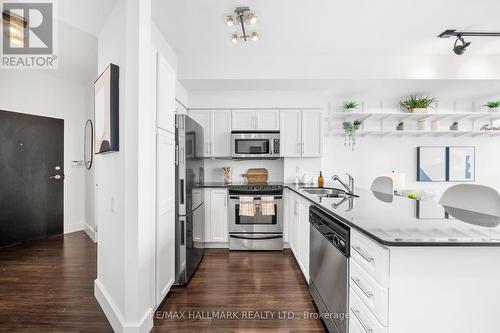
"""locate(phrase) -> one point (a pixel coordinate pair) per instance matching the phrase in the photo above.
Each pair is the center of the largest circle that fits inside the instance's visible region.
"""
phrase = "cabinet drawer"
(375, 297)
(361, 318)
(372, 257)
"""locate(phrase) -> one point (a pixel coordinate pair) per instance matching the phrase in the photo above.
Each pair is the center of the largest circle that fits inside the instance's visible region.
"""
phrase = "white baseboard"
(115, 316)
(216, 245)
(72, 227)
(90, 232)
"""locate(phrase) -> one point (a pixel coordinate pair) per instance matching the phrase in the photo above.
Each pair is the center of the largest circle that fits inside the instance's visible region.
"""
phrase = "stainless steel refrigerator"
(189, 172)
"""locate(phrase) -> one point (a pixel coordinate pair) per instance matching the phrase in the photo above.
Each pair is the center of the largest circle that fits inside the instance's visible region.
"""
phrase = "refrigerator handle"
(181, 199)
(182, 232)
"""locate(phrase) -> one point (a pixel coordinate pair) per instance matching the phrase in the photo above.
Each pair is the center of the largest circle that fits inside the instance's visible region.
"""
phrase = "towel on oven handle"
(267, 206)
(247, 206)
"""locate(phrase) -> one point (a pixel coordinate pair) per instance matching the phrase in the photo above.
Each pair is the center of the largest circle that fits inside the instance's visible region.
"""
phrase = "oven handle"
(256, 238)
(255, 197)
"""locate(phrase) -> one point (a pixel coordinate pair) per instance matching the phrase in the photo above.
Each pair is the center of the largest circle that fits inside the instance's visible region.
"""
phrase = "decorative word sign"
(488, 128)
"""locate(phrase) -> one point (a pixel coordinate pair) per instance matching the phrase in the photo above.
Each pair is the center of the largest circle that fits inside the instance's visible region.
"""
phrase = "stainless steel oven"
(258, 232)
(255, 144)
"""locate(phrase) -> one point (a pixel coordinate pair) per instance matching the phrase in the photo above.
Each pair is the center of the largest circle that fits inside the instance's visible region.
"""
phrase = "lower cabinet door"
(218, 219)
(198, 232)
(304, 232)
(165, 216)
(362, 316)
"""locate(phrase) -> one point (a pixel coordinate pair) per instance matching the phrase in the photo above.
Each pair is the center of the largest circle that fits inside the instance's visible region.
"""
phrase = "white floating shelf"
(381, 133)
(402, 116)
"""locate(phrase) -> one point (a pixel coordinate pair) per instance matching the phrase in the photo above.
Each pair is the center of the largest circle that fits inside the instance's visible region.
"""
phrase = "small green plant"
(417, 102)
(412, 195)
(351, 105)
(350, 129)
(401, 126)
(492, 104)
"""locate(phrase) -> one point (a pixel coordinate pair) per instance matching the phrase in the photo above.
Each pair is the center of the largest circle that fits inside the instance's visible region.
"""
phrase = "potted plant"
(493, 106)
(350, 129)
(401, 126)
(350, 106)
(418, 104)
(454, 126)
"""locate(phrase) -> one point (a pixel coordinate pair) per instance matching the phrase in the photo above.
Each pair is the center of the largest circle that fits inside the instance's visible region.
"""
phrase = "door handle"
(56, 177)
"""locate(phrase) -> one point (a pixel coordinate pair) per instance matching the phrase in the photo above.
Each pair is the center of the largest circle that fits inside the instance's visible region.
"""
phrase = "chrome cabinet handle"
(357, 282)
(363, 255)
(365, 327)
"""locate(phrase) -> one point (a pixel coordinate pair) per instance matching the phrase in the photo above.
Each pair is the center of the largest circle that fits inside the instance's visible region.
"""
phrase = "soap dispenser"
(321, 180)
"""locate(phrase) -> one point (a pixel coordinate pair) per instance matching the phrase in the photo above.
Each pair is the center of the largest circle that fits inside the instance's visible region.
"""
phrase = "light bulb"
(252, 18)
(235, 38)
(230, 20)
(255, 36)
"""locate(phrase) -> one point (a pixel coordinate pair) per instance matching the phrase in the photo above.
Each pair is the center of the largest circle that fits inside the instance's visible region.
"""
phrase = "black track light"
(460, 49)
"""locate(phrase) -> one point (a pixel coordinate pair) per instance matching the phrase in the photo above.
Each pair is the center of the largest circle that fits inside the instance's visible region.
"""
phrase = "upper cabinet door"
(268, 120)
(312, 125)
(221, 133)
(203, 117)
(290, 133)
(165, 95)
(243, 120)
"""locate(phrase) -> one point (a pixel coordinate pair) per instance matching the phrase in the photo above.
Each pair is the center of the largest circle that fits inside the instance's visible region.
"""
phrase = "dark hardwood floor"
(246, 284)
(48, 286)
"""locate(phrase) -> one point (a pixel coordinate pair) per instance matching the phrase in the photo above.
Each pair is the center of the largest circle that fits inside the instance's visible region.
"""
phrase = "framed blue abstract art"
(461, 164)
(431, 164)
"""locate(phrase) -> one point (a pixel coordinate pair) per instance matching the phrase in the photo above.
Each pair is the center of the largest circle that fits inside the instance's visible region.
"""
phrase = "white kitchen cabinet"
(165, 95)
(291, 133)
(287, 215)
(301, 133)
(243, 120)
(221, 133)
(216, 215)
(268, 120)
(165, 215)
(312, 124)
(204, 118)
(304, 233)
(217, 131)
(255, 120)
(299, 230)
(198, 216)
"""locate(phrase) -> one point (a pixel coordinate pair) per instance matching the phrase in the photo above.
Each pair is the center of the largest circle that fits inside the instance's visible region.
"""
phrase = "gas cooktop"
(255, 189)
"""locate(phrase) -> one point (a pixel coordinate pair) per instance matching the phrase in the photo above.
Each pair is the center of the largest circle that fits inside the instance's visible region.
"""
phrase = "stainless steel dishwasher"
(329, 269)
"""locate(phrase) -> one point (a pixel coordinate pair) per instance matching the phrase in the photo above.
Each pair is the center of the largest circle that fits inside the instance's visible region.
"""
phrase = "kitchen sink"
(326, 192)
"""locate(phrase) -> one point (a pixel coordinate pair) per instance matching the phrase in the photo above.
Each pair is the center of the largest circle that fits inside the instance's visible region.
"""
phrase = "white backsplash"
(214, 172)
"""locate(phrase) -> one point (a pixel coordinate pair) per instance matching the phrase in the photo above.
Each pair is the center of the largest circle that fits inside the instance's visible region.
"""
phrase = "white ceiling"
(328, 27)
(86, 15)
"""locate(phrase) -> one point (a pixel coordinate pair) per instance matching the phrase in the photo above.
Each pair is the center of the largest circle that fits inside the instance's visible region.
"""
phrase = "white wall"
(375, 156)
(40, 93)
(125, 196)
(372, 156)
(214, 173)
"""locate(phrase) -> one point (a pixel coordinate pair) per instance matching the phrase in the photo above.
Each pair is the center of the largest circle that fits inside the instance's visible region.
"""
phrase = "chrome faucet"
(350, 187)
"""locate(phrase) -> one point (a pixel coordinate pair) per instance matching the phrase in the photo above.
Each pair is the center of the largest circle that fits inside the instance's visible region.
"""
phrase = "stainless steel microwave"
(255, 144)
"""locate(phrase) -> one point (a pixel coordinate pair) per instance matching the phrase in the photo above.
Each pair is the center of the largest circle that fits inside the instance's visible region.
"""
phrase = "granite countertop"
(394, 223)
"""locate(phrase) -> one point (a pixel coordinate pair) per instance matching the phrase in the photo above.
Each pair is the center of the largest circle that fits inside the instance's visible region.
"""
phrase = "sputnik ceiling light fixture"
(459, 49)
(243, 17)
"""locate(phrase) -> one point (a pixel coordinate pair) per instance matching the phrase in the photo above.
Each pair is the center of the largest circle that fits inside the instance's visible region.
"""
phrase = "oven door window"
(252, 146)
(257, 219)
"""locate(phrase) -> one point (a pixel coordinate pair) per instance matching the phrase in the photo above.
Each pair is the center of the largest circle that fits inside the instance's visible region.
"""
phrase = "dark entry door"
(31, 177)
